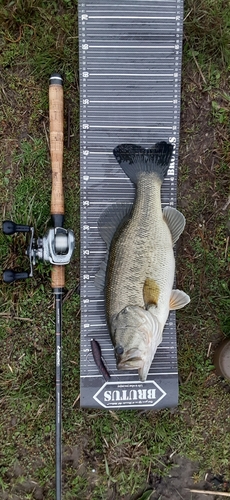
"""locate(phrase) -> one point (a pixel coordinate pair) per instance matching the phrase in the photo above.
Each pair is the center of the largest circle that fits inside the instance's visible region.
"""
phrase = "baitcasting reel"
(55, 247)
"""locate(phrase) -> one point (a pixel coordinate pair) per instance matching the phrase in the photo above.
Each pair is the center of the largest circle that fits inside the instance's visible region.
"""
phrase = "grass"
(207, 36)
(108, 453)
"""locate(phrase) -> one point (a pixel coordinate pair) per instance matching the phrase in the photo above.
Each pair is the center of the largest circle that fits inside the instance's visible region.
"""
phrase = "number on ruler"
(85, 252)
(85, 276)
(86, 228)
(85, 74)
(84, 17)
(85, 46)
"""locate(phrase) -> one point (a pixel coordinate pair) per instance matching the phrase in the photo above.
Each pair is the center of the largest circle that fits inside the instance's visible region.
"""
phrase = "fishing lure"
(96, 351)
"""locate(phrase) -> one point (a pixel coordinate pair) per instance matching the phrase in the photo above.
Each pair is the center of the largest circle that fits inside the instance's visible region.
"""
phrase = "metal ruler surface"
(130, 73)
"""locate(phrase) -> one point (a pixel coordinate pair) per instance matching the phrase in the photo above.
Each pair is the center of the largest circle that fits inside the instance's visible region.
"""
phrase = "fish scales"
(142, 249)
(140, 263)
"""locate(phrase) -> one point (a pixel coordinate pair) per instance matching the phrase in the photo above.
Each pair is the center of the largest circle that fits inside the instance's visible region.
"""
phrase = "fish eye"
(119, 349)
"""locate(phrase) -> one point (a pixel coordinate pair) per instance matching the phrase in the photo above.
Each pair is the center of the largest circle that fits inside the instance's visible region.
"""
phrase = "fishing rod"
(55, 247)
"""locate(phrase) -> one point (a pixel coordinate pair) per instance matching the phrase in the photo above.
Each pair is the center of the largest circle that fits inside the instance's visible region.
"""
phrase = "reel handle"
(9, 276)
(9, 227)
(56, 147)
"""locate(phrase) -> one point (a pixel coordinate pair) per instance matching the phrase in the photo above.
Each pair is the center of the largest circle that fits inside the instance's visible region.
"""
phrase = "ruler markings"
(130, 17)
(129, 126)
(126, 55)
(158, 66)
(150, 80)
(141, 29)
(129, 117)
(144, 26)
(129, 88)
(166, 75)
(131, 4)
(135, 102)
(132, 8)
(106, 88)
(131, 46)
(128, 375)
(148, 39)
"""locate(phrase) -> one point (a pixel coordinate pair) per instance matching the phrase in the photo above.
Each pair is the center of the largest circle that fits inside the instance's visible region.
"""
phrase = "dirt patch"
(178, 483)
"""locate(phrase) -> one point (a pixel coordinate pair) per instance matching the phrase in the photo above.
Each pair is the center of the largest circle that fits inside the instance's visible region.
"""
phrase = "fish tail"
(135, 159)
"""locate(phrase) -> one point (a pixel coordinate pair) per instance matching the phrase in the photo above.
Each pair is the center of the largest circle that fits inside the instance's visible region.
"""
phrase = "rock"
(13, 421)
(24, 487)
(38, 493)
(17, 470)
(4, 495)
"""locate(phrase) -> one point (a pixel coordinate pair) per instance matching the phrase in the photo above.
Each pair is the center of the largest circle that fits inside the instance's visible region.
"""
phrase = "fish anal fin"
(175, 221)
(178, 300)
(111, 218)
(151, 292)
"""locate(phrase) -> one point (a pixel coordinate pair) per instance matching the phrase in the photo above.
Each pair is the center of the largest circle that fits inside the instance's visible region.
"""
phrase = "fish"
(138, 272)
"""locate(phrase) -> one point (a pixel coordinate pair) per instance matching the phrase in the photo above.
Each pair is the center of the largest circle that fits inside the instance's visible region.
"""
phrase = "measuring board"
(130, 72)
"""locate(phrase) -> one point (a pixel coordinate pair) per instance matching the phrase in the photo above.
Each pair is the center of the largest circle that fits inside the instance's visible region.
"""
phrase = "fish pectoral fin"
(175, 221)
(111, 218)
(151, 292)
(99, 280)
(178, 300)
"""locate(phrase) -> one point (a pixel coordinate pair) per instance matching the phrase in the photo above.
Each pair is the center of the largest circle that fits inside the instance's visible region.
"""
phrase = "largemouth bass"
(138, 272)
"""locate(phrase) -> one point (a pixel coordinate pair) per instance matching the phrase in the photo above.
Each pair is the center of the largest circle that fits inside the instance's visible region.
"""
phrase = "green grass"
(207, 35)
(115, 450)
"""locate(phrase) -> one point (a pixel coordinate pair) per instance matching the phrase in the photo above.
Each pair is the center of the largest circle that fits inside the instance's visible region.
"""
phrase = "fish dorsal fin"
(176, 222)
(151, 292)
(99, 280)
(178, 300)
(111, 218)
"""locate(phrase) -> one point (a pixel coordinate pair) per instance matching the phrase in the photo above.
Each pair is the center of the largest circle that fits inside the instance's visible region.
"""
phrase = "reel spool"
(56, 247)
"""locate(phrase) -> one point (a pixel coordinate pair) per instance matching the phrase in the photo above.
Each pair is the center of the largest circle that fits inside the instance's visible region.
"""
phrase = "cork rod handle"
(58, 277)
(56, 151)
(56, 143)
